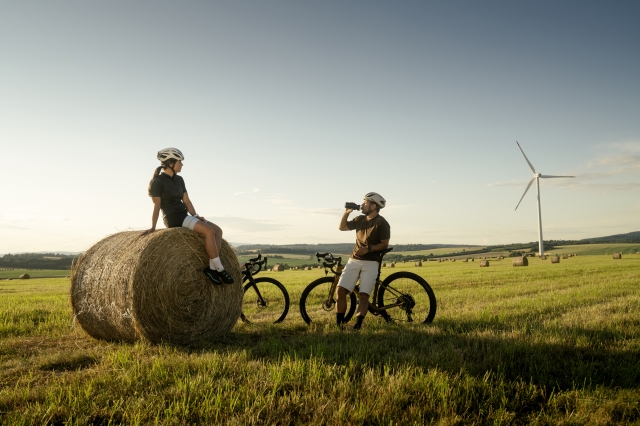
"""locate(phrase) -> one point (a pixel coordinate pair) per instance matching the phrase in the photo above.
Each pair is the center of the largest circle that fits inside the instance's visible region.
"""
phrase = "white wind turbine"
(536, 177)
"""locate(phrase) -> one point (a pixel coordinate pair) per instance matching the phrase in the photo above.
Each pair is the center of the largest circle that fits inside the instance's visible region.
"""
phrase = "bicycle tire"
(276, 302)
(417, 296)
(312, 306)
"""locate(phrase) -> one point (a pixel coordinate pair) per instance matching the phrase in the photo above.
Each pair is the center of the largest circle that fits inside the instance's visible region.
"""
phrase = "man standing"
(372, 235)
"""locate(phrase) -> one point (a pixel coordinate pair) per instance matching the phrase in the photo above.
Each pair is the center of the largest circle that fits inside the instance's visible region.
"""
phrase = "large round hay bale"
(520, 261)
(128, 288)
(484, 263)
(418, 263)
(25, 276)
(277, 268)
(617, 255)
(555, 259)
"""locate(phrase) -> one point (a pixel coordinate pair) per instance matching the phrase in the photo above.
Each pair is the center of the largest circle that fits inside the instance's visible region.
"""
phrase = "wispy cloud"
(255, 190)
(616, 170)
(244, 224)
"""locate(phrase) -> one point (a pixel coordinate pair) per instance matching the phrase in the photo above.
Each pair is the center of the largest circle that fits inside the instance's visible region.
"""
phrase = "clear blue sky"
(287, 109)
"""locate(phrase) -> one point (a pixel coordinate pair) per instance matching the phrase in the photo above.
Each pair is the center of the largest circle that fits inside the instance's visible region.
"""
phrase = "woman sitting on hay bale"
(169, 194)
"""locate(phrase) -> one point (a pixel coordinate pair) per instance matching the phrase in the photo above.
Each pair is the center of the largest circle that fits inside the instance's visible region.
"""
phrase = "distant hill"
(309, 249)
(630, 237)
(37, 261)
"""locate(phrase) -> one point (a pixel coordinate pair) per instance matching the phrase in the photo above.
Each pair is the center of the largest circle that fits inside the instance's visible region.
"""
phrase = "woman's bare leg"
(210, 243)
(218, 234)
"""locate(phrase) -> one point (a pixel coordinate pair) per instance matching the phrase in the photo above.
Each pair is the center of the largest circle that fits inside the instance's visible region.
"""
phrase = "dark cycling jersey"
(170, 190)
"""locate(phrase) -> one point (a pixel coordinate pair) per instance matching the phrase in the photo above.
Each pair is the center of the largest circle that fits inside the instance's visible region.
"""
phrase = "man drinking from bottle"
(372, 235)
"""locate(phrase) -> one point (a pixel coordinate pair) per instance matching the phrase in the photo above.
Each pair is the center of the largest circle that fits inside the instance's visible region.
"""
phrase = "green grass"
(595, 249)
(33, 273)
(545, 344)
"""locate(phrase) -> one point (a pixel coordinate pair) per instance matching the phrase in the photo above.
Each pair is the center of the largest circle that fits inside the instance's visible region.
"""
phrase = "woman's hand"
(148, 231)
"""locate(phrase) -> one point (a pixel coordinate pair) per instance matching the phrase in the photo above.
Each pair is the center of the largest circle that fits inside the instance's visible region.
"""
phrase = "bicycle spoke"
(413, 295)
(264, 302)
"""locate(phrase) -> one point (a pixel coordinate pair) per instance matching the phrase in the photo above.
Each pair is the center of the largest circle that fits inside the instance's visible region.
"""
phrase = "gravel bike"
(265, 300)
(402, 297)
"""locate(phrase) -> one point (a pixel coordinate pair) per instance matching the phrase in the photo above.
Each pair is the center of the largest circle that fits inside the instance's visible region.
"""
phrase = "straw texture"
(128, 288)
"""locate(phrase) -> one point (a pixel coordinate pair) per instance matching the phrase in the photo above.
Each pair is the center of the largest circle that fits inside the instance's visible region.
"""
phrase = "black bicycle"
(265, 299)
(402, 297)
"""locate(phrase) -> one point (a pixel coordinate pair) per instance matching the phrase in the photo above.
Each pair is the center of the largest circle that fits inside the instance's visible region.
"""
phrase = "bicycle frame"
(373, 307)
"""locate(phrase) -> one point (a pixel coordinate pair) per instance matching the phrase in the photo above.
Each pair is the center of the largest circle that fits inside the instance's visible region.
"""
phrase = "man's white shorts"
(367, 270)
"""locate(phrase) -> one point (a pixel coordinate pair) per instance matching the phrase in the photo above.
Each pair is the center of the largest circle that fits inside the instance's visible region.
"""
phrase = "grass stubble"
(545, 344)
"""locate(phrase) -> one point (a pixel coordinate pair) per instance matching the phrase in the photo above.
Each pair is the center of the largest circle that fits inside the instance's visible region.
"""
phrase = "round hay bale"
(564, 256)
(392, 265)
(277, 268)
(520, 261)
(319, 266)
(617, 255)
(25, 276)
(465, 260)
(473, 259)
(418, 263)
(307, 268)
(543, 257)
(484, 263)
(555, 259)
(384, 265)
(129, 288)
(453, 260)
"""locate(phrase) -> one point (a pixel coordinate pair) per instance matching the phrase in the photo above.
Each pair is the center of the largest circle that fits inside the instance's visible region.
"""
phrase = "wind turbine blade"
(525, 157)
(525, 192)
(548, 176)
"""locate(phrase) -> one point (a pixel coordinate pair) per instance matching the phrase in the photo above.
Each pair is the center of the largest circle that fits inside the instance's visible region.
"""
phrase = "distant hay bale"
(392, 265)
(307, 268)
(473, 259)
(129, 288)
(520, 261)
(617, 255)
(465, 260)
(277, 268)
(543, 257)
(384, 265)
(453, 260)
(484, 263)
(555, 259)
(25, 276)
(418, 263)
(439, 260)
(564, 256)
(319, 266)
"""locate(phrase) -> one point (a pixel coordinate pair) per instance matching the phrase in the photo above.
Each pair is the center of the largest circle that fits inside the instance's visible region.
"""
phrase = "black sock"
(339, 318)
(359, 320)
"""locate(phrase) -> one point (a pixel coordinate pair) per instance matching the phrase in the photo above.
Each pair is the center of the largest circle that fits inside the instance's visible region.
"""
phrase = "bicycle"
(265, 300)
(402, 297)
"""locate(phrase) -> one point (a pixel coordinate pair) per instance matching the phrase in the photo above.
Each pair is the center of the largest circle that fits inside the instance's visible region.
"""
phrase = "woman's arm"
(156, 213)
(187, 202)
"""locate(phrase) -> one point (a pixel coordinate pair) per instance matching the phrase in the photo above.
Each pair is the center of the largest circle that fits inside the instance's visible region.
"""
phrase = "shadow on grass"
(454, 347)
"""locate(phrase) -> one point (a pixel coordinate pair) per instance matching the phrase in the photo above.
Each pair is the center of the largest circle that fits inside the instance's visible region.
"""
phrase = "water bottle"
(352, 206)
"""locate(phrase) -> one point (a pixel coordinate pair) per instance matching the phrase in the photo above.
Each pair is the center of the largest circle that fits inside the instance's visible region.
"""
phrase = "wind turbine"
(536, 177)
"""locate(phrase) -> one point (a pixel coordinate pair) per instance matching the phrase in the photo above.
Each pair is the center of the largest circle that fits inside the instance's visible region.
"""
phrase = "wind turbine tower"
(536, 177)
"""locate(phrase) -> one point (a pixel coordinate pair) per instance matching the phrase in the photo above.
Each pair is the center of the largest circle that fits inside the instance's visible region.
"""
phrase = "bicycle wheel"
(270, 307)
(316, 306)
(415, 296)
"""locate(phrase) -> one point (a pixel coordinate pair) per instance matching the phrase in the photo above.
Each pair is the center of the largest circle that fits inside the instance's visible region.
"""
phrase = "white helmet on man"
(374, 197)
(170, 154)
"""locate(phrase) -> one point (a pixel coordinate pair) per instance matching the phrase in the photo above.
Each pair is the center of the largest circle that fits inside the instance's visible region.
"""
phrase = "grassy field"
(595, 249)
(33, 273)
(545, 344)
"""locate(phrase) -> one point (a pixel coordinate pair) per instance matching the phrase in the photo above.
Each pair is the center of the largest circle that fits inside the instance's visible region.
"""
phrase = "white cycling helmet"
(169, 154)
(374, 197)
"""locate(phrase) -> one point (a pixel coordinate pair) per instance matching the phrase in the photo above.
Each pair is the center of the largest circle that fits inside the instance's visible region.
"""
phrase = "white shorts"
(190, 222)
(367, 270)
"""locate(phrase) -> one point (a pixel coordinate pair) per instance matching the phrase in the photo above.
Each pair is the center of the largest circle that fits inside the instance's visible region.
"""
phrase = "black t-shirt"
(170, 190)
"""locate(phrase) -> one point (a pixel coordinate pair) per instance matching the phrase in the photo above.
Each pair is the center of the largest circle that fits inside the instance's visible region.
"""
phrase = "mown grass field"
(543, 344)
(33, 273)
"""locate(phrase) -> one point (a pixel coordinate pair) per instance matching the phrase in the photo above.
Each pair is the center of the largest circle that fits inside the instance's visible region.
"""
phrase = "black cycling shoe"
(213, 275)
(225, 276)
